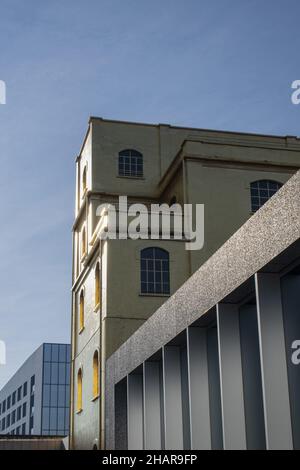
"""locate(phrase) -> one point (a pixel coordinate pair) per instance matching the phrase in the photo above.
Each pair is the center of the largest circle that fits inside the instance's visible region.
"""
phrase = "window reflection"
(56, 389)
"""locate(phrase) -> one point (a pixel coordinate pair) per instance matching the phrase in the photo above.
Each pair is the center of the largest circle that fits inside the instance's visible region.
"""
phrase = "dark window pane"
(47, 372)
(68, 374)
(67, 418)
(67, 393)
(166, 288)
(46, 417)
(150, 265)
(61, 418)
(47, 352)
(53, 419)
(261, 191)
(46, 395)
(61, 396)
(263, 200)
(62, 373)
(158, 289)
(156, 261)
(32, 384)
(68, 354)
(161, 254)
(54, 373)
(55, 349)
(150, 288)
(130, 163)
(158, 265)
(165, 266)
(53, 399)
(62, 353)
(273, 185)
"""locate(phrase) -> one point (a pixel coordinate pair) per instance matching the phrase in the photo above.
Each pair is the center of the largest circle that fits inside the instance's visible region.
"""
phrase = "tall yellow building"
(118, 284)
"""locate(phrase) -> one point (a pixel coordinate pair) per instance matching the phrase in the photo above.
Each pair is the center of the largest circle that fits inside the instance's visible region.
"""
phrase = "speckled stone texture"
(264, 236)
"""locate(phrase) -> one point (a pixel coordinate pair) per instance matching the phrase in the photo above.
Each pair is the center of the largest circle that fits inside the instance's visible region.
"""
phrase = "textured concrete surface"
(264, 236)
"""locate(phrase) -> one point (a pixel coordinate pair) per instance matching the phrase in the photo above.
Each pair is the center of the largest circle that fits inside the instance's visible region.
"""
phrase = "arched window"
(81, 311)
(83, 242)
(84, 178)
(97, 286)
(79, 390)
(130, 163)
(96, 375)
(261, 191)
(155, 271)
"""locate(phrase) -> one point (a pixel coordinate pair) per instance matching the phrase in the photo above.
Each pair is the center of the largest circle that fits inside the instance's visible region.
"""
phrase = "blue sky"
(222, 64)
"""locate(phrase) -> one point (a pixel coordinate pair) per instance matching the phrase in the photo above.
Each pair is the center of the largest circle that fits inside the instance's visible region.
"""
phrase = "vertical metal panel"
(135, 412)
(214, 389)
(273, 360)
(253, 397)
(185, 396)
(173, 413)
(121, 441)
(290, 286)
(153, 424)
(198, 388)
(232, 394)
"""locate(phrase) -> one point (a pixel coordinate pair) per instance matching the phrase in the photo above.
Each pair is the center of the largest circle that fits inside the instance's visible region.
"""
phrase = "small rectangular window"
(24, 410)
(130, 163)
(32, 384)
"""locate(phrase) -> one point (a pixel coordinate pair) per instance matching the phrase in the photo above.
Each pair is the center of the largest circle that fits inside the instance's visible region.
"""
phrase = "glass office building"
(35, 401)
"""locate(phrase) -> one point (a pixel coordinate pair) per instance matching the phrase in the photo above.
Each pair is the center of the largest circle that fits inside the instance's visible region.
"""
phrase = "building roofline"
(180, 156)
(221, 131)
(84, 140)
(28, 359)
(188, 128)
